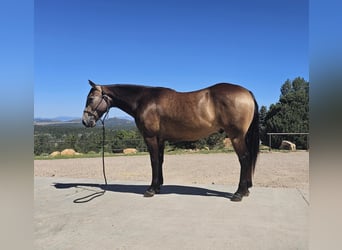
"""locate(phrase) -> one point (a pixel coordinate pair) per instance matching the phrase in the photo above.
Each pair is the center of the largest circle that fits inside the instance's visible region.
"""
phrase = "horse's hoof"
(149, 193)
(236, 197)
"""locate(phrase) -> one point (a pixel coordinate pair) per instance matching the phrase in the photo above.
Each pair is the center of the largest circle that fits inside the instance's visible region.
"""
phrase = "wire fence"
(286, 135)
(48, 146)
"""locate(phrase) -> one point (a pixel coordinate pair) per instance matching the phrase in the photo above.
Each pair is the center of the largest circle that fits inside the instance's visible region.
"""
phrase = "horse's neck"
(125, 97)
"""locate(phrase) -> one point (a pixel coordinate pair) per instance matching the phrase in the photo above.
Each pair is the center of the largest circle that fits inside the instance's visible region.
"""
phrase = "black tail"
(253, 137)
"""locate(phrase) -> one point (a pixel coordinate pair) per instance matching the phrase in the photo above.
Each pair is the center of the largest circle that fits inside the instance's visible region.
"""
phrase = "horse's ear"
(92, 84)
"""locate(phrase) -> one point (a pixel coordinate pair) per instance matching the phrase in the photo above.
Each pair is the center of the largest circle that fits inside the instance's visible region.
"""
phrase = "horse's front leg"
(156, 162)
(161, 146)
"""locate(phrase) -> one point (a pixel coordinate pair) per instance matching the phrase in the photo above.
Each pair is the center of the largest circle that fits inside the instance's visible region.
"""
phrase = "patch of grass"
(89, 155)
(197, 151)
(168, 151)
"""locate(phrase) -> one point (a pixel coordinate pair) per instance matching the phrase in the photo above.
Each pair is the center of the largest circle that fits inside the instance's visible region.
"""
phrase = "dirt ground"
(273, 169)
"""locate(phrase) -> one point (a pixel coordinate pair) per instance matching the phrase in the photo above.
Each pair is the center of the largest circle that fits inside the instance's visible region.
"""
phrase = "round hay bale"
(227, 143)
(130, 151)
(68, 151)
(55, 153)
(287, 145)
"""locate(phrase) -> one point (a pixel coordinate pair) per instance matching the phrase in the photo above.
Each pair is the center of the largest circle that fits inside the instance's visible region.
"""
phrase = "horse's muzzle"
(88, 121)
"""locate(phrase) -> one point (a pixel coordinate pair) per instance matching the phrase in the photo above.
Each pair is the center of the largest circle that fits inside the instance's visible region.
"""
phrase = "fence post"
(269, 142)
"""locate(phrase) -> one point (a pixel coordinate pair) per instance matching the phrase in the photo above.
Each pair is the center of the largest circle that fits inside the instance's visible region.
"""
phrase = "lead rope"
(103, 146)
(100, 193)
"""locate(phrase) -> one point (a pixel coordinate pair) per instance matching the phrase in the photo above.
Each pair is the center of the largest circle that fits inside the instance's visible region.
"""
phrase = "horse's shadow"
(140, 189)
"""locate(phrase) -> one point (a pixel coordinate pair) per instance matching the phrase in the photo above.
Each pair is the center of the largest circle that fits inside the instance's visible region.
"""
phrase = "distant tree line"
(289, 114)
(49, 138)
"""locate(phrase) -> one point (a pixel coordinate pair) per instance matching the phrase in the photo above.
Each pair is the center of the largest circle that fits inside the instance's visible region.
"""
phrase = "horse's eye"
(90, 100)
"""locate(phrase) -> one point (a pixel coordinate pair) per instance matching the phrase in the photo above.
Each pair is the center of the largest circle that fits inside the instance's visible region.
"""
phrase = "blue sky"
(185, 45)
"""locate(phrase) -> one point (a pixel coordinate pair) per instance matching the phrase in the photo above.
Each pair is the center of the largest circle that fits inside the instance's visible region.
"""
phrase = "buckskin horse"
(162, 114)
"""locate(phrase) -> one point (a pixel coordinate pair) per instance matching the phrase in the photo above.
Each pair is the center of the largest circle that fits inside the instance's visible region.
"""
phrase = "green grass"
(90, 155)
(168, 151)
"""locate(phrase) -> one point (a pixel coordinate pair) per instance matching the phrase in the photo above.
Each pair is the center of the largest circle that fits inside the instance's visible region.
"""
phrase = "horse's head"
(97, 104)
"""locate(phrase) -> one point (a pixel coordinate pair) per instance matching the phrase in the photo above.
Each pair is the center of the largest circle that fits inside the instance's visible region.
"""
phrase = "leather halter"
(103, 98)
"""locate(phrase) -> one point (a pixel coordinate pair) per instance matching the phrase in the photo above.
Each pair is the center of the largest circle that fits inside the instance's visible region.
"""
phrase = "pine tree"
(289, 114)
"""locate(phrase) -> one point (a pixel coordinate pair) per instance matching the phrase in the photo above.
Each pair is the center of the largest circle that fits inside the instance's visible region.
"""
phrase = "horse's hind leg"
(245, 182)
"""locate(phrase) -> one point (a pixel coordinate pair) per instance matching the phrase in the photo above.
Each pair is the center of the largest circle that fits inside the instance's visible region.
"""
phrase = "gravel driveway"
(274, 169)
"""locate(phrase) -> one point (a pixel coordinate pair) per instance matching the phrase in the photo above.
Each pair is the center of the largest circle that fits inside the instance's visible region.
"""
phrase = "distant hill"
(118, 122)
(48, 121)
(114, 122)
(44, 120)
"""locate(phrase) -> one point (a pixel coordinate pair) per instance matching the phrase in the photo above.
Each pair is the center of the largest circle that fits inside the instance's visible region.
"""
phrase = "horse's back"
(228, 88)
(197, 114)
(204, 104)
